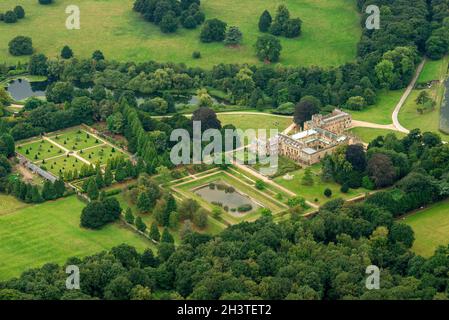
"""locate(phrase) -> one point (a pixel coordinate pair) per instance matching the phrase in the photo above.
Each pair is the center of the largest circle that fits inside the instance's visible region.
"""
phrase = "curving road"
(404, 97)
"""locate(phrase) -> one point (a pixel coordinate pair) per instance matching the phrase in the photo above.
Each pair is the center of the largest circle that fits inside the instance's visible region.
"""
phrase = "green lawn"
(101, 154)
(331, 30)
(39, 150)
(429, 121)
(76, 139)
(50, 232)
(63, 163)
(381, 111)
(316, 191)
(369, 134)
(10, 204)
(433, 70)
(255, 121)
(431, 227)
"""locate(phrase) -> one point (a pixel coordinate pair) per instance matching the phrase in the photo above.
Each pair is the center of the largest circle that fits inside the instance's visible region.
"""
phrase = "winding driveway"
(404, 97)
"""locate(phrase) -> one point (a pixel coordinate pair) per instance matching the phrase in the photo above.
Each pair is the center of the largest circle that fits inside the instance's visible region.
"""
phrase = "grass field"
(255, 121)
(431, 227)
(430, 120)
(369, 134)
(39, 150)
(101, 154)
(76, 140)
(381, 111)
(316, 191)
(10, 204)
(331, 30)
(433, 69)
(61, 164)
(50, 232)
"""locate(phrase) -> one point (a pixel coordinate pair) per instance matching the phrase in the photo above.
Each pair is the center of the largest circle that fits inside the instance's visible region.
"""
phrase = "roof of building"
(304, 134)
(309, 150)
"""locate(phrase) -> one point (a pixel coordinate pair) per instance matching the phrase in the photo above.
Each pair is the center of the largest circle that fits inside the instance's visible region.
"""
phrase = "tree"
(167, 237)
(292, 28)
(59, 187)
(66, 52)
(265, 21)
(48, 191)
(20, 12)
(108, 177)
(307, 179)
(437, 46)
(92, 215)
(268, 48)
(10, 17)
(118, 289)
(140, 225)
(144, 202)
(97, 55)
(38, 65)
(129, 217)
(154, 232)
(305, 109)
(7, 145)
(328, 193)
(20, 46)
(207, 117)
(233, 36)
(115, 123)
(59, 92)
(169, 23)
(92, 189)
(213, 31)
(200, 218)
(381, 170)
(355, 155)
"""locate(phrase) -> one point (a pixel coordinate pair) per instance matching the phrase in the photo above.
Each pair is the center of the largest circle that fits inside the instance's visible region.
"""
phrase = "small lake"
(227, 196)
(22, 89)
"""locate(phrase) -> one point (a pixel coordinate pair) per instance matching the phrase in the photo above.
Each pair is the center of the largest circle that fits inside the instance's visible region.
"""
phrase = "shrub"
(213, 31)
(328, 193)
(196, 55)
(21, 45)
(10, 17)
(344, 188)
(245, 208)
(20, 13)
(45, 1)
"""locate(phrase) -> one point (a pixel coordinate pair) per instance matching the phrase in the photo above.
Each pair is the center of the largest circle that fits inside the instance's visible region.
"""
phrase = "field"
(50, 232)
(255, 121)
(76, 140)
(101, 154)
(429, 120)
(331, 30)
(39, 150)
(316, 191)
(433, 70)
(10, 204)
(369, 134)
(431, 227)
(381, 111)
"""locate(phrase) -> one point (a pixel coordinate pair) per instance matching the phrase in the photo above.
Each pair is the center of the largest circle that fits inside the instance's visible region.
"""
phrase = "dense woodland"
(324, 257)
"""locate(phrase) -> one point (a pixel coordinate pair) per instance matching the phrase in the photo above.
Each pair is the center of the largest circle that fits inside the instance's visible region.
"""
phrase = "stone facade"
(321, 136)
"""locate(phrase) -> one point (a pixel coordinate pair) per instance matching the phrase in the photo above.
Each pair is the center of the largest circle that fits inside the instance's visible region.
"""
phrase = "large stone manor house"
(321, 136)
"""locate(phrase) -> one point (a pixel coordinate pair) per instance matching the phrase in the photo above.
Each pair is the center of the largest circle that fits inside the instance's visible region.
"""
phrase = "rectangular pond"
(223, 195)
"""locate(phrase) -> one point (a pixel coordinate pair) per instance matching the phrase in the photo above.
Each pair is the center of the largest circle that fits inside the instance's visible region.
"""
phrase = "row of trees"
(30, 193)
(12, 16)
(282, 25)
(168, 14)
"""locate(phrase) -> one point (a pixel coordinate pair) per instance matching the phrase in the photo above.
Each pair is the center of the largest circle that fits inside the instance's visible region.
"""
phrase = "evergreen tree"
(233, 36)
(129, 217)
(92, 189)
(167, 237)
(48, 191)
(36, 196)
(59, 187)
(265, 21)
(144, 202)
(140, 225)
(154, 232)
(66, 52)
(108, 177)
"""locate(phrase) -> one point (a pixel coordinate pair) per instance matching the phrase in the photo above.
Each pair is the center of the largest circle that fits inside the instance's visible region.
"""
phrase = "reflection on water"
(225, 196)
(22, 89)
